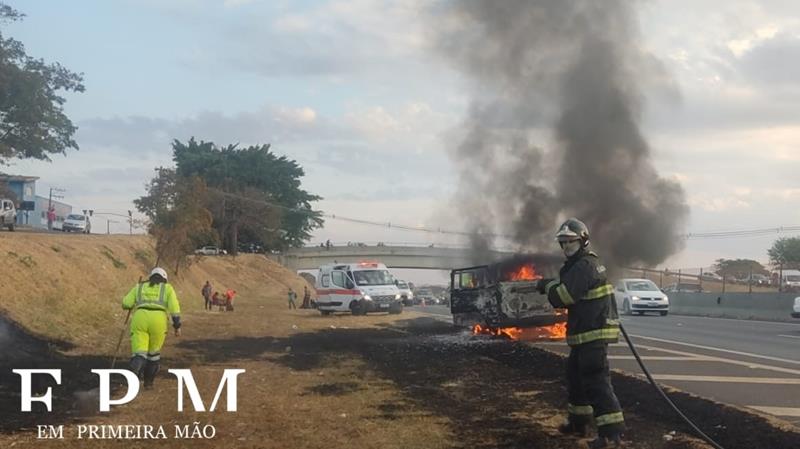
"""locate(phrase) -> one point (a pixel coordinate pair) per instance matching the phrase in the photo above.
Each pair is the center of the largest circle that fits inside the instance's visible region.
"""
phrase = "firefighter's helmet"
(573, 229)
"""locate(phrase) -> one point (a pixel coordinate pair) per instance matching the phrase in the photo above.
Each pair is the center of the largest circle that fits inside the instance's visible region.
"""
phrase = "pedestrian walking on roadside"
(207, 289)
(51, 217)
(292, 295)
(592, 323)
(151, 301)
(306, 299)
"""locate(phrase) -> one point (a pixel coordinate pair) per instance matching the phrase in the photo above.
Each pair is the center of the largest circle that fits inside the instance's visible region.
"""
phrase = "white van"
(791, 280)
(358, 288)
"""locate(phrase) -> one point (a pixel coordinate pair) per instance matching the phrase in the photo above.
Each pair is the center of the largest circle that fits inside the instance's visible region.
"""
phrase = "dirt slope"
(68, 287)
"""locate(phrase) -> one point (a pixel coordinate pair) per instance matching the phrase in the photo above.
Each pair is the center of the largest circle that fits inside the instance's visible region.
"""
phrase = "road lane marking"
(711, 348)
(702, 318)
(660, 357)
(724, 360)
(788, 336)
(777, 411)
(728, 379)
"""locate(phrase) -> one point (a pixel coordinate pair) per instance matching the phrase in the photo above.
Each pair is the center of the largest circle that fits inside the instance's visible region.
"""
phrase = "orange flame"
(524, 273)
(556, 331)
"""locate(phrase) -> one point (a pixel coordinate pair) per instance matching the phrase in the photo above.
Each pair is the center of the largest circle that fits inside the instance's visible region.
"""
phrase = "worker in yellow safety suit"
(151, 301)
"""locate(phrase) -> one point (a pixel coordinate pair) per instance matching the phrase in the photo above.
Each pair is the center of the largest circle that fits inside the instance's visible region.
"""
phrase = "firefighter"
(151, 301)
(592, 323)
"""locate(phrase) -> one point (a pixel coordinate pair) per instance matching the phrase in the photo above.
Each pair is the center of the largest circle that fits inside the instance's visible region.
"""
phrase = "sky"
(355, 92)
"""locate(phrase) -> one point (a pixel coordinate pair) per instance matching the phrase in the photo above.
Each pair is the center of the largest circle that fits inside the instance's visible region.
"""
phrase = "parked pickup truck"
(8, 214)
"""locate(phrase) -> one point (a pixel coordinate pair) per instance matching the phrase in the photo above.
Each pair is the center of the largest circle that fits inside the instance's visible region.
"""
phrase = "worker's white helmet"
(159, 271)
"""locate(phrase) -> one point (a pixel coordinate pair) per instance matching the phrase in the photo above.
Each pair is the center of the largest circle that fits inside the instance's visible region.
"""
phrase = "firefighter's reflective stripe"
(550, 285)
(160, 304)
(564, 295)
(580, 409)
(600, 292)
(610, 418)
(610, 333)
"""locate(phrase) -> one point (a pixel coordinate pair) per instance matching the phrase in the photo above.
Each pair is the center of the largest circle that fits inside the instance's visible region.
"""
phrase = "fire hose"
(663, 395)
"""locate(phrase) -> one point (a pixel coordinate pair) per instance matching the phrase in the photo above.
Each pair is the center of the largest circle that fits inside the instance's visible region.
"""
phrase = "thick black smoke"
(568, 75)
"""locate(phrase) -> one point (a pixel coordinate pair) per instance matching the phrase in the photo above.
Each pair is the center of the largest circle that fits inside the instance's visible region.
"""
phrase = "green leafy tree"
(256, 193)
(785, 251)
(739, 268)
(32, 119)
(179, 219)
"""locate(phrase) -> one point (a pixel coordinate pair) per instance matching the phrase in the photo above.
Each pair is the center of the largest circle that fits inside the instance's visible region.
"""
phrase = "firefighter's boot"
(137, 365)
(150, 371)
(602, 442)
(575, 425)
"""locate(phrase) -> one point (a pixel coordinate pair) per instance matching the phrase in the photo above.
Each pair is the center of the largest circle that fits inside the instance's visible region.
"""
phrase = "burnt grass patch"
(333, 389)
(21, 350)
(497, 393)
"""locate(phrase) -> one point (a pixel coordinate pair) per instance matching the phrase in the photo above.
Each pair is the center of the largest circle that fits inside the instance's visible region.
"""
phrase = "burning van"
(502, 295)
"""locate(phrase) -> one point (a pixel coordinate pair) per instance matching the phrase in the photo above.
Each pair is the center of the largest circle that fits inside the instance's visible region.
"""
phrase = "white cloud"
(742, 45)
(792, 194)
(304, 115)
(293, 24)
(717, 204)
(236, 3)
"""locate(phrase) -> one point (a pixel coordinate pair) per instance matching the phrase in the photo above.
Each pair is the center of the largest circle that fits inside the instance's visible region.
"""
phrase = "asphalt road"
(753, 364)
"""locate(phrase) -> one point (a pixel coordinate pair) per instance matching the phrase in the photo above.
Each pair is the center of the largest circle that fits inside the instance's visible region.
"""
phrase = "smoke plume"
(553, 127)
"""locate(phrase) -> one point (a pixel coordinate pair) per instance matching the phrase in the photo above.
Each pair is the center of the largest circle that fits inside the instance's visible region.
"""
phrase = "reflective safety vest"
(157, 297)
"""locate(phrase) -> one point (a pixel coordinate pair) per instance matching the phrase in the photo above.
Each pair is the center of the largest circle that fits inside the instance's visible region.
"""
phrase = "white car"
(711, 276)
(640, 296)
(406, 295)
(796, 311)
(77, 223)
(209, 251)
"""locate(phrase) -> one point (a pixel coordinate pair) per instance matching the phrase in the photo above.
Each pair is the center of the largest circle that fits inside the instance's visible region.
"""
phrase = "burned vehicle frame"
(503, 294)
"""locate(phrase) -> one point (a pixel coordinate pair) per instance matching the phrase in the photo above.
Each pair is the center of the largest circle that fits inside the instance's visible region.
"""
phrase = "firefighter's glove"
(541, 285)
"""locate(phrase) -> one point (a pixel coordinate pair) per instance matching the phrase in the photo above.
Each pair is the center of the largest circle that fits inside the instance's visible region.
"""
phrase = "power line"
(405, 227)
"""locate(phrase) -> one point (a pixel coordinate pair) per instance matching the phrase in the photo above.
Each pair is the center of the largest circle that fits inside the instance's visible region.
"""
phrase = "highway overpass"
(422, 257)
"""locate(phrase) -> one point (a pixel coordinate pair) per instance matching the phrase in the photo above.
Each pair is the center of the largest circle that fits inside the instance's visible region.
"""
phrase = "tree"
(785, 251)
(176, 207)
(739, 268)
(32, 119)
(256, 193)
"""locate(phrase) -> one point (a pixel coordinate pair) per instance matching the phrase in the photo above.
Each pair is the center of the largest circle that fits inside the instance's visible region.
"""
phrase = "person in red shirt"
(51, 218)
(229, 299)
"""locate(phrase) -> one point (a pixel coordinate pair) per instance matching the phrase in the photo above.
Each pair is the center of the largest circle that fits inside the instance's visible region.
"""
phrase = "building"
(38, 218)
(24, 188)
(32, 208)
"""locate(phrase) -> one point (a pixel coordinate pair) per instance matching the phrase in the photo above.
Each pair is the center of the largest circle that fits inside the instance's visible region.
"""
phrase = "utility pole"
(50, 203)
(56, 196)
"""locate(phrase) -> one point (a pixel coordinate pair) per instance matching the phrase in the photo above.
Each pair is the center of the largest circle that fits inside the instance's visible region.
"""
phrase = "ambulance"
(358, 288)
